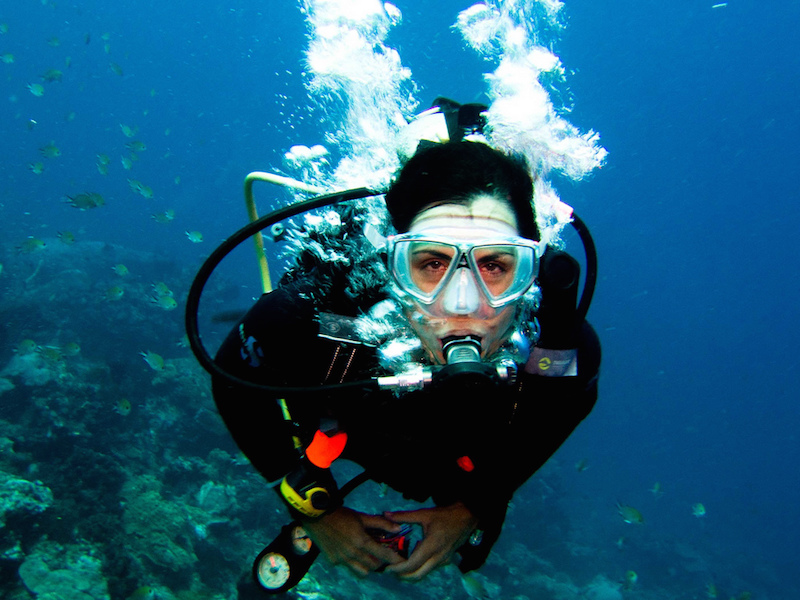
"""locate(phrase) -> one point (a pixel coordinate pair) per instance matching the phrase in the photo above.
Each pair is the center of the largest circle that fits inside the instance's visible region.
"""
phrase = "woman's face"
(462, 309)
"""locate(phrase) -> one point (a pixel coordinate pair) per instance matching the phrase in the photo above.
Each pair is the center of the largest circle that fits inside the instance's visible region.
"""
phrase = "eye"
(433, 264)
(494, 268)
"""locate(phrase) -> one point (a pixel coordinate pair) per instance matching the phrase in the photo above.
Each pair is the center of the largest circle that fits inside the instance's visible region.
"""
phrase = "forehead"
(483, 216)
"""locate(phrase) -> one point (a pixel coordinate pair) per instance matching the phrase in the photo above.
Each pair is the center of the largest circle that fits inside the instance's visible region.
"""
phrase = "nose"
(461, 296)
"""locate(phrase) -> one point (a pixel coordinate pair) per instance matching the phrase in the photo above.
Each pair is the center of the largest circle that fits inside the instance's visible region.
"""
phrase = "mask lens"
(429, 262)
(506, 271)
(421, 267)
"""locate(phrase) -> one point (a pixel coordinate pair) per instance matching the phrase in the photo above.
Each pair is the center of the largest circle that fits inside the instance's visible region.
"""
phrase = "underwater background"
(125, 134)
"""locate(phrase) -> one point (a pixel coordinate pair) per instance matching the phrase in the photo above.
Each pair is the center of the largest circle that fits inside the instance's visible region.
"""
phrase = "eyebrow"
(431, 252)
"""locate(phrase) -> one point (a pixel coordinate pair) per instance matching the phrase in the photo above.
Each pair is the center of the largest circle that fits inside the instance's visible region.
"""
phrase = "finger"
(422, 553)
(385, 555)
(380, 522)
(414, 575)
(358, 569)
(362, 561)
(420, 573)
(406, 516)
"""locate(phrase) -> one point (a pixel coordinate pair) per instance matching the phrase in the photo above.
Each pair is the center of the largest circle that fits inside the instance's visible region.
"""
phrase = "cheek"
(430, 341)
(500, 327)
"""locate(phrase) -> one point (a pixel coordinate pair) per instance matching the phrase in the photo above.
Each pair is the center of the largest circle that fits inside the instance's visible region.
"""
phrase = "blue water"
(695, 215)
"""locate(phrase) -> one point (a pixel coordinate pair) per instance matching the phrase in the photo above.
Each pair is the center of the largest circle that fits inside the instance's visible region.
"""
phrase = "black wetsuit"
(416, 442)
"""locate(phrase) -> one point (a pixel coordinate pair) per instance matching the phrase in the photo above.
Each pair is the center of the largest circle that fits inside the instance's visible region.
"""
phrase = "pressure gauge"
(273, 570)
(282, 564)
(301, 543)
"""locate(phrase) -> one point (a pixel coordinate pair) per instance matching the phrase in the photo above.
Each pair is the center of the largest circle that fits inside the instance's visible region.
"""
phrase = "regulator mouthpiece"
(462, 349)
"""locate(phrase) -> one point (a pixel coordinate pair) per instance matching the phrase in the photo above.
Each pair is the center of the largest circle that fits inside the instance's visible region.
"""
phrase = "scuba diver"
(449, 360)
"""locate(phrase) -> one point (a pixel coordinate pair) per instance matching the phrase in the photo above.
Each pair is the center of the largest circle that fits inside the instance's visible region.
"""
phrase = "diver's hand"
(343, 539)
(445, 529)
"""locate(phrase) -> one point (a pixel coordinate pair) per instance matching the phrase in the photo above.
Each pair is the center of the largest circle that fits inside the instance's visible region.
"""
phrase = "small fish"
(620, 543)
(26, 347)
(71, 349)
(66, 237)
(630, 514)
(140, 188)
(36, 168)
(630, 579)
(115, 293)
(37, 89)
(70, 116)
(121, 270)
(51, 354)
(128, 131)
(86, 201)
(160, 289)
(30, 246)
(720, 5)
(127, 163)
(52, 75)
(164, 217)
(582, 465)
(102, 169)
(54, 42)
(116, 69)
(136, 146)
(656, 490)
(177, 180)
(50, 150)
(143, 593)
(711, 590)
(105, 36)
(165, 302)
(194, 236)
(153, 360)
(3, 28)
(698, 510)
(475, 586)
(7, 58)
(103, 159)
(123, 407)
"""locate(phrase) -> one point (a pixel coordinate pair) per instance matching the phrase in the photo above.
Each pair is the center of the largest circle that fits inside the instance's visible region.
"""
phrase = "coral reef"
(22, 496)
(72, 572)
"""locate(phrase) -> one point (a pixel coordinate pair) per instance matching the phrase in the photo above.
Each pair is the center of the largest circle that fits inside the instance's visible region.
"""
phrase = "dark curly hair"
(454, 173)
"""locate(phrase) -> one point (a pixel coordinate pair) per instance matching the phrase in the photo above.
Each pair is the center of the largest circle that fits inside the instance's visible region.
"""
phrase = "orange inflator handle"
(325, 449)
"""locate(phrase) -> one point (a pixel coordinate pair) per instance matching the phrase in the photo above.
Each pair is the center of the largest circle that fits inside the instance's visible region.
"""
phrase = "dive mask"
(430, 268)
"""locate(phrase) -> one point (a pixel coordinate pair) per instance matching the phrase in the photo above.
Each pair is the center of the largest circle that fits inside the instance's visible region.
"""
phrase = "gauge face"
(273, 570)
(300, 541)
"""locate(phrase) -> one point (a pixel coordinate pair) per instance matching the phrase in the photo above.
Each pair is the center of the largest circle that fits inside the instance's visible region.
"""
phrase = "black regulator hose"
(217, 256)
(591, 267)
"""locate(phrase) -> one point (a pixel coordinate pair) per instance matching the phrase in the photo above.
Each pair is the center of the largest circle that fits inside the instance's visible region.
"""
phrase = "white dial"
(273, 570)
